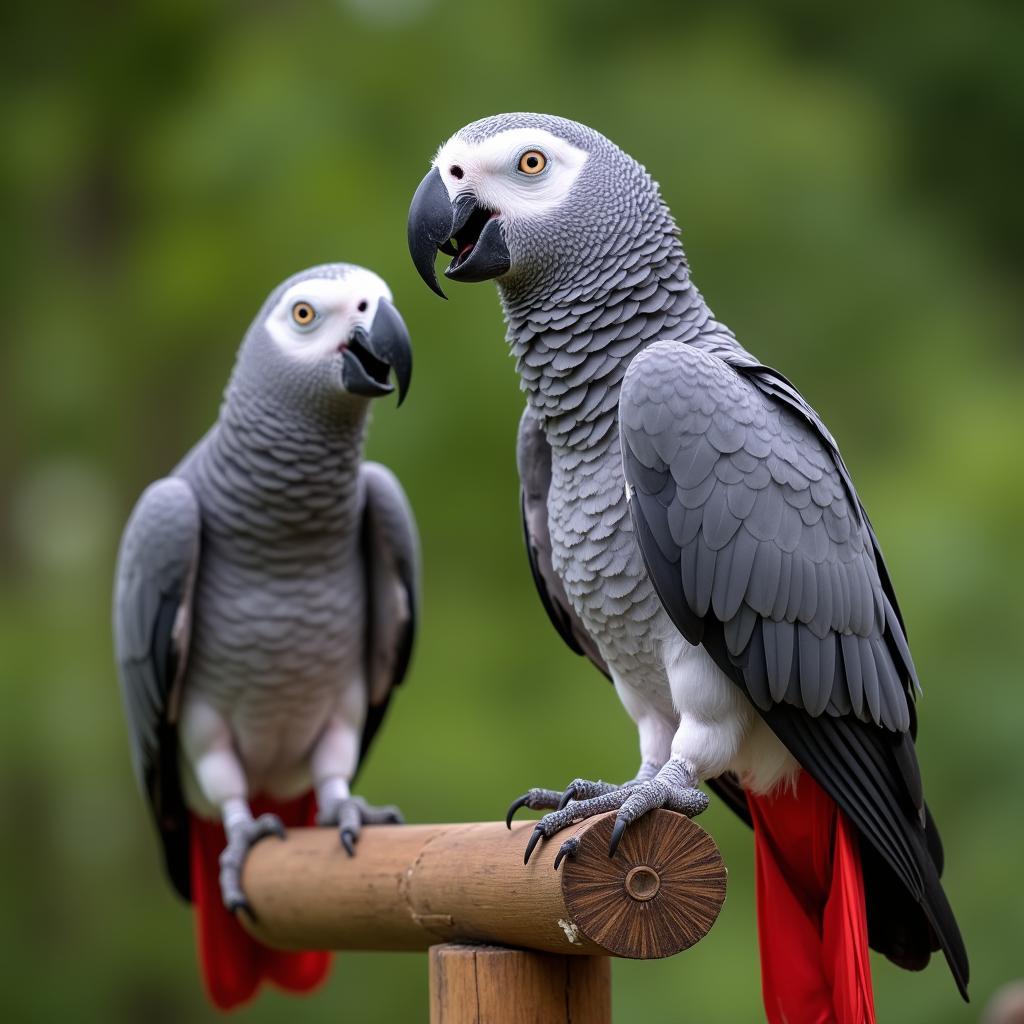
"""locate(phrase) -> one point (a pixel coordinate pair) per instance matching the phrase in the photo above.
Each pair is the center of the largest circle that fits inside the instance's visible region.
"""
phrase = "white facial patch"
(336, 306)
(491, 170)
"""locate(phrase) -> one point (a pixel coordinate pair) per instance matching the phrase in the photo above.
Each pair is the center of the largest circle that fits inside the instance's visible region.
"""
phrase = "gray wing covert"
(767, 536)
(154, 581)
(759, 549)
(391, 557)
(533, 458)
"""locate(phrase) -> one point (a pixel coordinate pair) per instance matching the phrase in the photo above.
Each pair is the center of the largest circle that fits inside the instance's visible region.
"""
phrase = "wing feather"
(391, 559)
(533, 456)
(816, 639)
(154, 580)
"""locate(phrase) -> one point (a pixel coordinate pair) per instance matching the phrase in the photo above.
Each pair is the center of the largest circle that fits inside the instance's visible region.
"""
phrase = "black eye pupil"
(455, 170)
(362, 306)
(531, 161)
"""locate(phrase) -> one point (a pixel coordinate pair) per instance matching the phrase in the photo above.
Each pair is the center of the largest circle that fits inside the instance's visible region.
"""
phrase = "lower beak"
(434, 220)
(370, 356)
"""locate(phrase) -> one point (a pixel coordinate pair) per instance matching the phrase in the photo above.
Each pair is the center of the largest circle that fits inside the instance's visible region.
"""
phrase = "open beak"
(460, 228)
(370, 356)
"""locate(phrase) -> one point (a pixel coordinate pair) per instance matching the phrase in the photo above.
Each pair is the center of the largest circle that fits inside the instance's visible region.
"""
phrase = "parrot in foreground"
(265, 608)
(693, 530)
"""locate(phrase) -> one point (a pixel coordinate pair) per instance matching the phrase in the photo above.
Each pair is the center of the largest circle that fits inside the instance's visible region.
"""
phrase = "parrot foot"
(578, 789)
(567, 849)
(674, 787)
(573, 812)
(584, 789)
(243, 834)
(555, 799)
(351, 813)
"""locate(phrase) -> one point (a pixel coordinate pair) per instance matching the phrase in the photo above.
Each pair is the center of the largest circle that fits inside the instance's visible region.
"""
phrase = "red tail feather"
(234, 964)
(811, 921)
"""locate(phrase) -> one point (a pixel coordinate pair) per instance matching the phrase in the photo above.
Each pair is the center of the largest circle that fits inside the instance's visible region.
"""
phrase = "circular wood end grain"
(642, 882)
(658, 895)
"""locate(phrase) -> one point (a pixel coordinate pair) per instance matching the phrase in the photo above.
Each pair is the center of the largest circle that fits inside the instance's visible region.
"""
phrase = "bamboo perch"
(411, 886)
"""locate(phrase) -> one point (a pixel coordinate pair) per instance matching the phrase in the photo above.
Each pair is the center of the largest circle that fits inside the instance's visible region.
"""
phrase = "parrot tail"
(811, 917)
(233, 964)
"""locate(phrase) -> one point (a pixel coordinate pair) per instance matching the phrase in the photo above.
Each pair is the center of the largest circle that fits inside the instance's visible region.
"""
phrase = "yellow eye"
(303, 314)
(533, 161)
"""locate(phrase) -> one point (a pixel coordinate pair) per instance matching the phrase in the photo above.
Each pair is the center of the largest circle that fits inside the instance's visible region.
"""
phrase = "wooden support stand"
(493, 985)
(414, 887)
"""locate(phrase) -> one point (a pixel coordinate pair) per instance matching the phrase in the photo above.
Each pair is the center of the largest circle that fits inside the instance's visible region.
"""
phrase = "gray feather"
(391, 555)
(533, 456)
(156, 570)
(766, 542)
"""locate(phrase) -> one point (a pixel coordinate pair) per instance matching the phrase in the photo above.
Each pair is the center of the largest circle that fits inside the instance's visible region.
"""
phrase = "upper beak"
(435, 222)
(371, 355)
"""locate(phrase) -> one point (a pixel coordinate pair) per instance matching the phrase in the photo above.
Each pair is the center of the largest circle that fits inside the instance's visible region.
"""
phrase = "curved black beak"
(431, 219)
(460, 228)
(370, 356)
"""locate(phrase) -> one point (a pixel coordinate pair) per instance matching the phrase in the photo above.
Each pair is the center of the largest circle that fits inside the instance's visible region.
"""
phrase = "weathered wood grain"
(492, 985)
(412, 886)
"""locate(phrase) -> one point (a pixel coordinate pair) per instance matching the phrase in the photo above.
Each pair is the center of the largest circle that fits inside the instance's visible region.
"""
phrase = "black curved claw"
(242, 906)
(567, 795)
(516, 804)
(620, 827)
(348, 840)
(535, 838)
(567, 849)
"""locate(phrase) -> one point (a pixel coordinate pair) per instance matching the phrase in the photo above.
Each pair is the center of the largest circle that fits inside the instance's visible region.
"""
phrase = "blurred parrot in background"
(265, 607)
(693, 530)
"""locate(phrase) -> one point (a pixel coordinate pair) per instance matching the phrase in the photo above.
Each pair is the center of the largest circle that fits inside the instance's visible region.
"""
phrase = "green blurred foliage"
(848, 186)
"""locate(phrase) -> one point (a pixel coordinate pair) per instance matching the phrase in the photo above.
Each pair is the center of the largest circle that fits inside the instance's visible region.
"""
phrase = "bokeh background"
(848, 184)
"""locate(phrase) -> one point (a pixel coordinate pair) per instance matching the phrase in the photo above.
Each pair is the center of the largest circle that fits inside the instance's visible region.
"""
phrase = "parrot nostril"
(455, 171)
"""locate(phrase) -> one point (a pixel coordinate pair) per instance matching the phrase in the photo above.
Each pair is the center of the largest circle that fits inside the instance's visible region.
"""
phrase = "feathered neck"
(573, 339)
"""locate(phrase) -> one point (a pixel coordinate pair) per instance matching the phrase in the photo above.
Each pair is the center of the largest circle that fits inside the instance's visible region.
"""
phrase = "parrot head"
(526, 199)
(329, 332)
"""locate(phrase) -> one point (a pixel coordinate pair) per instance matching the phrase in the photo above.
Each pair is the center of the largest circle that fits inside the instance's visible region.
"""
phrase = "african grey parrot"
(265, 607)
(693, 530)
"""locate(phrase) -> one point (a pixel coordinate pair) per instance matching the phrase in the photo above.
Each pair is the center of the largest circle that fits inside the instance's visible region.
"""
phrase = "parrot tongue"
(469, 234)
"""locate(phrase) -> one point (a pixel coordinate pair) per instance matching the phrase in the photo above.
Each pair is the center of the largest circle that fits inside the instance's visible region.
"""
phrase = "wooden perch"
(411, 886)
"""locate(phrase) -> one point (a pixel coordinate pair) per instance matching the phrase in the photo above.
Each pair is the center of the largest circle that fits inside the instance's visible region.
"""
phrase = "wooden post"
(492, 985)
(412, 886)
